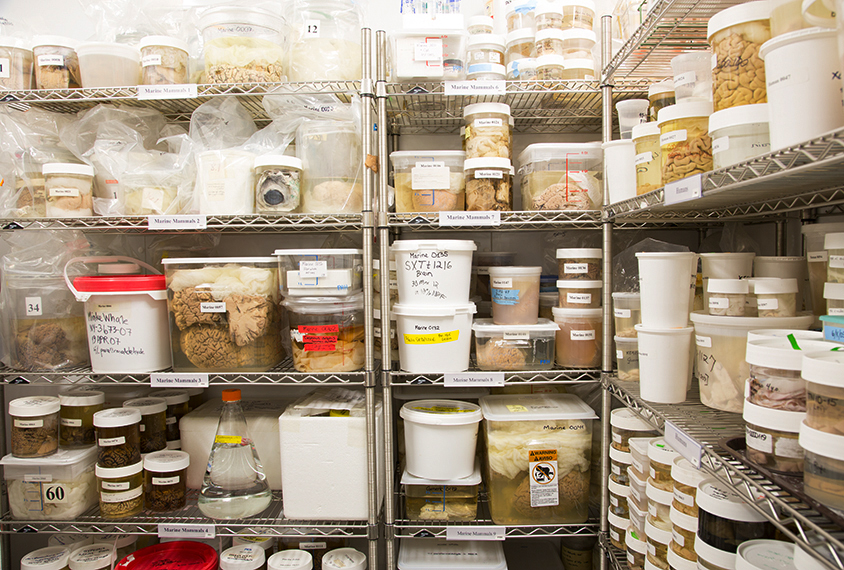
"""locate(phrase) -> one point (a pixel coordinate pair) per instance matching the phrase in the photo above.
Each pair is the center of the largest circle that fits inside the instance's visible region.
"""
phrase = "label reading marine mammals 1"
(178, 380)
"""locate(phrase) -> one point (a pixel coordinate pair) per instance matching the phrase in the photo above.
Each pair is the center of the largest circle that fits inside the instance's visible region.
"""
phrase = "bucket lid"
(215, 260)
(473, 479)
(81, 397)
(117, 417)
(530, 407)
(826, 368)
(751, 323)
(293, 559)
(67, 168)
(783, 353)
(805, 561)
(684, 521)
(407, 245)
(737, 116)
(762, 554)
(487, 326)
(657, 534)
(324, 305)
(728, 286)
(562, 314)
(626, 419)
(163, 41)
(281, 160)
(769, 418)
(194, 555)
(793, 37)
(834, 241)
(34, 406)
(243, 557)
(441, 412)
(414, 310)
(664, 86)
(821, 443)
(487, 162)
(477, 108)
(514, 270)
(166, 461)
(347, 558)
(119, 472)
(427, 554)
(658, 495)
(715, 556)
(799, 335)
(121, 284)
(661, 452)
(57, 41)
(683, 472)
(775, 286)
(50, 558)
(520, 35)
(92, 557)
(172, 397)
(645, 130)
(580, 253)
(147, 406)
(833, 291)
(747, 12)
(619, 456)
(576, 284)
(684, 110)
(721, 500)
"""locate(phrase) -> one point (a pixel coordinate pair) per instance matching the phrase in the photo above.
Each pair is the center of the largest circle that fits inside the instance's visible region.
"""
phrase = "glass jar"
(686, 478)
(660, 95)
(50, 558)
(683, 534)
(35, 426)
(76, 417)
(522, 69)
(739, 134)
(736, 34)
(659, 506)
(684, 140)
(626, 425)
(617, 529)
(165, 480)
(578, 14)
(331, 160)
(648, 159)
(548, 15)
(834, 244)
(164, 61)
(118, 437)
(520, 45)
(96, 556)
(489, 184)
(327, 47)
(16, 54)
(658, 541)
(823, 373)
(153, 424)
(579, 339)
(487, 131)
(121, 490)
(618, 499)
(177, 407)
(485, 48)
(277, 183)
(480, 25)
(326, 333)
(661, 457)
(519, 14)
(69, 189)
(550, 67)
(776, 297)
(579, 69)
(725, 520)
(727, 297)
(771, 438)
(619, 463)
(56, 63)
(579, 294)
(823, 466)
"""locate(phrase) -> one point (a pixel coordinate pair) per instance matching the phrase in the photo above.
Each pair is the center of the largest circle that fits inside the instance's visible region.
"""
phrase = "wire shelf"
(557, 376)
(523, 220)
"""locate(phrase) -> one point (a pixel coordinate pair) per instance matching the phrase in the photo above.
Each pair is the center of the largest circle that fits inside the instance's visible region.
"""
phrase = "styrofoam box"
(199, 427)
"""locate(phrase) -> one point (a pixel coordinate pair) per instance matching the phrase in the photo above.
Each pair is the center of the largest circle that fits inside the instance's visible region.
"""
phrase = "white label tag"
(836, 261)
(178, 380)
(720, 144)
(478, 123)
(150, 60)
(758, 440)
(818, 256)
(313, 269)
(517, 335)
(111, 441)
(37, 478)
(170, 420)
(28, 424)
(575, 268)
(112, 486)
(635, 492)
(313, 28)
(614, 535)
(835, 311)
(579, 298)
(429, 50)
(475, 532)
(616, 470)
(582, 335)
(643, 158)
(769, 304)
(313, 545)
(687, 78)
(215, 307)
(714, 61)
(672, 137)
(638, 466)
(470, 218)
(71, 422)
(652, 509)
(430, 176)
(496, 174)
(5, 68)
(619, 354)
(684, 498)
(477, 87)
(165, 480)
(64, 192)
(502, 283)
(190, 531)
(122, 497)
(32, 305)
(683, 444)
(677, 537)
(796, 77)
(788, 447)
(622, 313)
(51, 60)
(463, 379)
(683, 190)
(542, 470)
(183, 91)
(651, 549)
(176, 222)
(719, 303)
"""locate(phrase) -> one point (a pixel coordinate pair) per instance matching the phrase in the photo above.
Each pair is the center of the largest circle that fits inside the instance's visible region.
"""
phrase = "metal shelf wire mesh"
(523, 220)
(557, 376)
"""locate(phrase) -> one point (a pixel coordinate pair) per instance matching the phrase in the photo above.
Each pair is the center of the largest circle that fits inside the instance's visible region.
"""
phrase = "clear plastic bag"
(626, 265)
(327, 41)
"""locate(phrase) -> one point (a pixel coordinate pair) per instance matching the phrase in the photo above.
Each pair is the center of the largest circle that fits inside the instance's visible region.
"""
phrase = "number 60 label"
(54, 493)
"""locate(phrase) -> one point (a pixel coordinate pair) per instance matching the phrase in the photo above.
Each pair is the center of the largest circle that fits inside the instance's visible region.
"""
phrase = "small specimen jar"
(548, 16)
(660, 95)
(648, 161)
(177, 406)
(197, 397)
(658, 541)
(824, 375)
(579, 339)
(771, 438)
(579, 69)
(520, 45)
(164, 61)
(35, 426)
(617, 529)
(627, 312)
(480, 25)
(69, 189)
(823, 466)
(489, 184)
(487, 131)
(578, 14)
(627, 358)
(626, 425)
(834, 295)
(121, 490)
(580, 263)
(153, 424)
(727, 297)
(485, 48)
(92, 557)
(56, 63)
(776, 297)
(725, 520)
(834, 244)
(577, 43)
(486, 72)
(618, 499)
(550, 67)
(659, 506)
(683, 534)
(619, 463)
(16, 57)
(739, 134)
(549, 42)
(579, 294)
(515, 295)
(686, 479)
(165, 480)
(118, 437)
(684, 141)
(519, 14)
(636, 550)
(76, 417)
(243, 557)
(641, 465)
(277, 183)
(661, 458)
(522, 69)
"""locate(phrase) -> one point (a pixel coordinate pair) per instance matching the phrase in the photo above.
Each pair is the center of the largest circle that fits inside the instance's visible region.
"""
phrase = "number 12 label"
(312, 28)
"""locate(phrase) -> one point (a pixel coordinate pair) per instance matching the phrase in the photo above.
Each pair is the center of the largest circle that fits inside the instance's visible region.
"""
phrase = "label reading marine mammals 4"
(192, 531)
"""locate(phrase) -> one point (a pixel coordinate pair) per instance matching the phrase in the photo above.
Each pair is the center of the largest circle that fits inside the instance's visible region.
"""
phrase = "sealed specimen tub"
(514, 347)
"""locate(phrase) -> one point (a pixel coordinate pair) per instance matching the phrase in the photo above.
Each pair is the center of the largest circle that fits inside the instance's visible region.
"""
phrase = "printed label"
(619, 354)
(469, 218)
(429, 50)
(631, 560)
(683, 190)
(652, 509)
(507, 297)
(475, 532)
(37, 478)
(150, 60)
(651, 549)
(176, 222)
(26, 424)
(759, 441)
(652, 472)
(32, 306)
(796, 77)
(683, 444)
(71, 422)
(122, 497)
(684, 498)
(821, 256)
(614, 535)
(430, 176)
(835, 311)
(477, 87)
(544, 489)
(112, 486)
(176, 91)
(5, 68)
(517, 335)
(51, 60)
(643, 158)
(582, 335)
(517, 409)
(212, 307)
(496, 174)
(165, 480)
(714, 61)
(703, 341)
(502, 283)
(788, 447)
(721, 144)
(769, 304)
(487, 123)
(836, 261)
(170, 420)
(463, 379)
(178, 380)
(616, 438)
(638, 466)
(111, 441)
(687, 78)
(719, 303)
(672, 137)
(55, 494)
(64, 192)
(313, 28)
(575, 268)
(313, 269)
(622, 313)
(636, 495)
(190, 531)
(313, 545)
(228, 439)
(616, 470)
(677, 538)
(579, 298)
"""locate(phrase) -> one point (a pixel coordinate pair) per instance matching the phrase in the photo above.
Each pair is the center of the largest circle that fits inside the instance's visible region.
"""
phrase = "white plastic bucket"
(619, 169)
(126, 318)
(434, 272)
(802, 72)
(664, 363)
(434, 338)
(666, 288)
(440, 437)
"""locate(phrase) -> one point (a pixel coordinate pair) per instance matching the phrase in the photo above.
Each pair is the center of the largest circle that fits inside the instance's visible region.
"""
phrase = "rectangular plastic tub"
(514, 347)
(429, 54)
(441, 554)
(453, 500)
(429, 181)
(319, 272)
(561, 176)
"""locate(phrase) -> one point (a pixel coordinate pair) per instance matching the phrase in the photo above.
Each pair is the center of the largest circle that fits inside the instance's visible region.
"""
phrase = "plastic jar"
(515, 295)
(292, 559)
(243, 557)
(677, 562)
(834, 244)
(617, 529)
(16, 55)
(638, 493)
(580, 337)
(638, 516)
(121, 490)
(776, 297)
(739, 134)
(487, 131)
(619, 463)
(571, 44)
(344, 559)
(834, 295)
(520, 45)
(35, 426)
(618, 499)
(661, 459)
(514, 347)
(76, 417)
(327, 333)
(636, 550)
(485, 48)
(648, 159)
(164, 61)
(824, 375)
(578, 69)
(69, 189)
(627, 358)
(727, 297)
(108, 64)
(429, 181)
(328, 46)
(153, 424)
(684, 140)
(641, 465)
(683, 534)
(561, 176)
(627, 311)
(580, 294)
(583, 264)
(549, 42)
(548, 15)
(658, 541)
(660, 95)
(519, 14)
(659, 506)
(625, 425)
(823, 466)
(49, 558)
(92, 557)
(522, 69)
(243, 45)
(489, 183)
(736, 34)
(725, 520)
(177, 407)
(118, 437)
(710, 558)
(771, 437)
(578, 14)
(686, 478)
(56, 63)
(480, 25)
(165, 480)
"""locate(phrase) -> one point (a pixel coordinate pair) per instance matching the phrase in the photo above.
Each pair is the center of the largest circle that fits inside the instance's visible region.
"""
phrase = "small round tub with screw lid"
(121, 490)
(35, 426)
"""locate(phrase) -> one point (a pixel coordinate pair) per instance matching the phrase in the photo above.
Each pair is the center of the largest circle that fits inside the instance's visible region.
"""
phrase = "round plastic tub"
(549, 42)
(479, 25)
(320, 272)
(739, 134)
(344, 559)
(243, 557)
(522, 69)
(579, 69)
(727, 297)
(578, 14)
(76, 417)
(561, 176)
(580, 263)
(489, 184)
(833, 243)
(118, 437)
(626, 424)
(326, 333)
(485, 48)
(434, 338)
(95, 556)
(619, 463)
(121, 490)
(659, 506)
(678, 562)
(580, 294)
(165, 480)
(683, 534)
(164, 61)
(767, 554)
(627, 311)
(618, 499)
(711, 558)
(35, 426)
(636, 550)
(69, 189)
(429, 181)
(519, 15)
(617, 529)
(658, 545)
(18, 55)
(580, 337)
(104, 64)
(49, 558)
(776, 297)
(190, 554)
(548, 15)
(823, 466)
(293, 559)
(686, 478)
(224, 183)
(487, 131)
(514, 347)
(824, 375)
(434, 272)
(684, 141)
(834, 295)
(692, 76)
(661, 459)
(627, 358)
(660, 95)
(278, 182)
(550, 67)
(153, 425)
(331, 157)
(725, 520)
(56, 63)
(648, 161)
(771, 438)
(440, 438)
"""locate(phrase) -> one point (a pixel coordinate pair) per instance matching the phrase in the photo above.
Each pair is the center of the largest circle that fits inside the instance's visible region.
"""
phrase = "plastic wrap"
(326, 45)
(626, 266)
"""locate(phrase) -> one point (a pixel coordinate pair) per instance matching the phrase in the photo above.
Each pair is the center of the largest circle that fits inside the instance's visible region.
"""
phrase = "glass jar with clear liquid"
(235, 485)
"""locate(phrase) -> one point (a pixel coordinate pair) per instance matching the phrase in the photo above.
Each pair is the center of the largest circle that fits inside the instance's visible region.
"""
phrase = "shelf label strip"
(475, 532)
(683, 444)
(470, 218)
(472, 379)
(479, 87)
(684, 190)
(150, 92)
(176, 222)
(178, 380)
(190, 531)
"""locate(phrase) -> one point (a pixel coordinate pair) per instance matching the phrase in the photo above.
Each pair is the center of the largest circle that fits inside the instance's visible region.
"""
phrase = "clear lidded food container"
(514, 347)
(659, 506)
(149, 191)
(480, 25)
(627, 358)
(165, 480)
(321, 272)
(625, 425)
(660, 459)
(739, 134)
(561, 176)
(639, 451)
(833, 293)
(327, 47)
(824, 375)
(56, 63)
(683, 534)
(579, 339)
(725, 520)
(522, 69)
(648, 161)
(771, 438)
(627, 312)
(684, 140)
(525, 428)
(49, 558)
(638, 498)
(153, 426)
(833, 243)
(686, 478)
(519, 14)
(69, 189)
(92, 557)
(164, 61)
(550, 67)
(520, 45)
(515, 294)
(118, 437)
(776, 297)
(177, 408)
(548, 15)
(16, 55)
(617, 529)
(278, 181)
(108, 64)
(35, 426)
(454, 500)
(579, 69)
(76, 418)
(121, 490)
(578, 14)
(580, 263)
(489, 183)
(619, 463)
(331, 159)
(485, 48)
(823, 466)
(429, 181)
(487, 131)
(660, 95)
(658, 545)
(579, 294)
(727, 296)
(327, 333)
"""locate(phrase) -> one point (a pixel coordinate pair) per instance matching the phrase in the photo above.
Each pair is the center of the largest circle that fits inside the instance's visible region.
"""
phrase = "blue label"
(834, 334)
(505, 296)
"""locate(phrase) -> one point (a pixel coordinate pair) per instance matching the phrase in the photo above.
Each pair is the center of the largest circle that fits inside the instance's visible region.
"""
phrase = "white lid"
(739, 14)
(661, 452)
(243, 557)
(478, 68)
(762, 334)
(563, 314)
(16, 43)
(750, 323)
(792, 37)
(441, 412)
(58, 41)
(634, 543)
(33, 406)
(580, 63)
(761, 554)
(480, 21)
(624, 457)
(684, 110)
(548, 7)
(834, 241)
(166, 461)
(406, 245)
(476, 108)
(581, 3)
(476, 40)
(727, 286)
(292, 559)
(50, 558)
(645, 130)
(473, 479)
(617, 521)
(826, 368)
(117, 417)
(625, 418)
(833, 291)
(345, 559)
(487, 162)
(658, 495)
(215, 260)
(324, 305)
(641, 444)
(92, 557)
(580, 253)
(147, 406)
(541, 325)
(684, 521)
(775, 286)
(247, 536)
(549, 33)
(685, 473)
(109, 48)
(62, 458)
(783, 353)
(718, 499)
(318, 252)
(171, 396)
(574, 34)
(530, 407)
(769, 418)
(439, 554)
(736, 116)
(664, 86)
(415, 310)
(281, 160)
(657, 534)
(575, 284)
(805, 561)
(163, 41)
(520, 35)
(121, 541)
(715, 556)
(821, 443)
(677, 562)
(551, 59)
(629, 342)
(81, 397)
(67, 168)
(618, 488)
(118, 472)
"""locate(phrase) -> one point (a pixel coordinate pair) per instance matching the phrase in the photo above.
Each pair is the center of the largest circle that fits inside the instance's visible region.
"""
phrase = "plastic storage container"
(617, 529)
(333, 169)
(823, 466)
(660, 460)
(582, 264)
(76, 418)
(104, 64)
(824, 375)
(479, 25)
(725, 520)
(658, 546)
(320, 272)
(326, 333)
(449, 263)
(660, 95)
(576, 43)
(771, 438)
(69, 189)
(638, 498)
(278, 183)
(834, 295)
(548, 15)
(487, 131)
(327, 47)
(515, 295)
(243, 557)
(739, 134)
(224, 184)
(776, 297)
(639, 452)
(727, 297)
(686, 478)
(49, 558)
(121, 490)
(538, 457)
(429, 181)
(659, 506)
(683, 535)
(56, 63)
(648, 161)
(636, 549)
(177, 408)
(118, 437)
(561, 176)
(627, 358)
(485, 48)
(692, 76)
(550, 67)
(443, 53)
(514, 347)
(627, 311)
(164, 61)
(153, 425)
(618, 499)
(489, 184)
(834, 245)
(579, 294)
(165, 480)
(35, 426)
(549, 42)
(685, 144)
(626, 425)
(449, 500)
(434, 338)
(579, 69)
(579, 339)
(619, 464)
(522, 69)
(16, 54)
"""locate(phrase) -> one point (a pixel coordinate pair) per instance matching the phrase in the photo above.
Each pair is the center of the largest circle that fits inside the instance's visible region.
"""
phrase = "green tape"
(793, 342)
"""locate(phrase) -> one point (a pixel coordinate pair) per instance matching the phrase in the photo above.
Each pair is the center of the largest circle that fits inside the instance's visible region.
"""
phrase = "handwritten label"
(110, 330)
(621, 313)
(195, 531)
(430, 176)
(176, 222)
(429, 50)
(463, 379)
(216, 307)
(683, 190)
(313, 269)
(433, 338)
(683, 444)
(719, 303)
(475, 532)
(178, 380)
(470, 219)
(183, 91)
(834, 334)
(313, 28)
(477, 87)
(51, 60)
(32, 305)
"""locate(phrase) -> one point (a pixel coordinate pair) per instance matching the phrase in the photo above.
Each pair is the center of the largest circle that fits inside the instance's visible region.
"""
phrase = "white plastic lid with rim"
(781, 353)
(172, 397)
(487, 326)
(163, 41)
(531, 407)
(407, 245)
(619, 142)
(479, 40)
(92, 557)
(657, 534)
(317, 252)
(801, 320)
(825, 368)
(215, 260)
(121, 541)
(119, 472)
(660, 451)
(480, 21)
(280, 160)
(245, 536)
(579, 3)
(471, 480)
(626, 296)
(664, 86)
(716, 498)
(117, 417)
(714, 556)
(762, 554)
(550, 60)
(441, 412)
(727, 286)
(344, 559)
(166, 461)
(650, 565)
(624, 457)
(685, 473)
(33, 406)
(548, 7)
(805, 561)
(15, 43)
(324, 305)
(645, 130)
(821, 443)
(640, 444)
(580, 63)
(49, 558)
(658, 495)
(562, 314)
(580, 253)
(478, 108)
(834, 241)
(684, 110)
(684, 521)
(617, 521)
(108, 48)
(793, 37)
(738, 116)
(428, 554)
(763, 334)
(67, 168)
(618, 488)
(634, 543)
(77, 397)
(518, 36)
(775, 286)
(147, 406)
(833, 291)
(549, 34)
(414, 310)
(740, 14)
(575, 34)
(626, 419)
(56, 41)
(292, 559)
(514, 271)
(677, 562)
(488, 162)
(243, 557)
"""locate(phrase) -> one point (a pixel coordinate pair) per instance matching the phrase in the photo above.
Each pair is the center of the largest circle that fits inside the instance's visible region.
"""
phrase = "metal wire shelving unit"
(556, 376)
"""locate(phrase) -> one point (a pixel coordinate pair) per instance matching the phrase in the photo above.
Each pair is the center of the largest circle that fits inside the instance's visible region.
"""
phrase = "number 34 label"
(33, 306)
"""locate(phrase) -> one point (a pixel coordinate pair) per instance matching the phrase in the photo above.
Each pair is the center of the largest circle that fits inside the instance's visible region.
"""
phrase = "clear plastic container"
(546, 302)
(331, 158)
(833, 293)
(487, 130)
(617, 529)
(49, 558)
(522, 69)
(519, 14)
(455, 500)
(561, 176)
(489, 184)
(823, 466)
(739, 134)
(683, 534)
(638, 498)
(727, 296)
(660, 460)
(105, 64)
(444, 59)
(579, 69)
(16, 54)
(580, 294)
(834, 245)
(56, 63)
(278, 183)
(582, 264)
(578, 14)
(327, 47)
(69, 189)
(164, 61)
(626, 425)
(658, 541)
(485, 48)
(548, 15)
(224, 313)
(550, 67)
(320, 272)
(480, 25)
(659, 506)
(514, 347)
(243, 45)
(572, 43)
(153, 425)
(118, 437)
(627, 311)
(165, 480)
(177, 408)
(76, 418)
(636, 549)
(787, 16)
(692, 76)
(35, 426)
(326, 333)
(520, 45)
(725, 520)
(515, 294)
(481, 262)
(121, 490)
(771, 438)
(660, 95)
(549, 42)
(619, 463)
(648, 159)
(580, 337)
(824, 375)
(528, 428)
(686, 478)
(684, 140)
(641, 463)
(96, 556)
(486, 72)
(429, 181)
(736, 34)
(627, 358)
(638, 516)
(776, 297)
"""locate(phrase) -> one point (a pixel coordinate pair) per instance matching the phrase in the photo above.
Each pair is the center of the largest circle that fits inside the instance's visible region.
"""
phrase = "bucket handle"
(818, 17)
(84, 296)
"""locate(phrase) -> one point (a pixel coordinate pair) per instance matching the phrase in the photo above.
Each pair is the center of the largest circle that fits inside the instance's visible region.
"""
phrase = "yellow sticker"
(517, 409)
(435, 338)
(235, 439)
(442, 409)
(338, 414)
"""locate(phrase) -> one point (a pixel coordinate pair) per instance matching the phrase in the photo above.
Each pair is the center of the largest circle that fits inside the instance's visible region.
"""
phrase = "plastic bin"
(515, 294)
(320, 272)
(514, 347)
(580, 294)
(580, 337)
(104, 64)
(327, 333)
(442, 54)
(164, 61)
(561, 176)
(449, 500)
(429, 181)
(17, 54)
